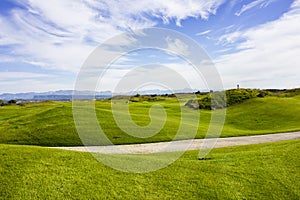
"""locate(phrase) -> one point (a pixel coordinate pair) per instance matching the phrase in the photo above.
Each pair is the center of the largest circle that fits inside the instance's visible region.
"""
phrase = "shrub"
(12, 101)
(216, 100)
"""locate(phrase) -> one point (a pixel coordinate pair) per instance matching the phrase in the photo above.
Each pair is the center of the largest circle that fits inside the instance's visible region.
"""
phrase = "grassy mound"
(51, 123)
(263, 115)
(45, 123)
(265, 171)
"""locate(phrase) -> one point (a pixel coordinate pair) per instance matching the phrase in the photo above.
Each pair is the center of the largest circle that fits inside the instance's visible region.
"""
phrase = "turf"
(51, 123)
(264, 171)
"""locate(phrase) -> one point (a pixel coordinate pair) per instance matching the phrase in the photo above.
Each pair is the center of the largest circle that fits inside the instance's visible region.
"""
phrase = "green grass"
(47, 123)
(264, 171)
(51, 123)
(263, 115)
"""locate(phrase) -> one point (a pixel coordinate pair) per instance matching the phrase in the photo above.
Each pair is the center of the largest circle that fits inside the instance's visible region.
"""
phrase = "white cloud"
(261, 3)
(203, 33)
(179, 75)
(13, 82)
(177, 46)
(32, 85)
(268, 57)
(18, 75)
(61, 34)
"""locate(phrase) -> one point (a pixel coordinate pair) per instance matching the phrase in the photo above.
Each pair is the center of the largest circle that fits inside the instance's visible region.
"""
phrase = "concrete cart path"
(183, 145)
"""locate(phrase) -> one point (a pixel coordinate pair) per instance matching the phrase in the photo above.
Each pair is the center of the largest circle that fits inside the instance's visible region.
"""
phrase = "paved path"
(183, 145)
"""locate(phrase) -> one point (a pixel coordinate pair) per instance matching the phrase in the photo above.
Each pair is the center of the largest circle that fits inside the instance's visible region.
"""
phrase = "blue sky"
(43, 44)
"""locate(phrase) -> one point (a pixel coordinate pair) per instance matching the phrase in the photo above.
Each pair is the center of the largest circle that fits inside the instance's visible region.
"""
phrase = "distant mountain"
(9, 96)
(66, 95)
(60, 95)
(157, 91)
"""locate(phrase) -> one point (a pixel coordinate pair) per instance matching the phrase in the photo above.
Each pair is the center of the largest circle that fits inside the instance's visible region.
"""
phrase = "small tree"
(12, 101)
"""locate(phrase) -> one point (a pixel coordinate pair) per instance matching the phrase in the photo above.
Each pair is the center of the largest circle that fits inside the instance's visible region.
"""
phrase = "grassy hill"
(265, 171)
(219, 100)
(51, 123)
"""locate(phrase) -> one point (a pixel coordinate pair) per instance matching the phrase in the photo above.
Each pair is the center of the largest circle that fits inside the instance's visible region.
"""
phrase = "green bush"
(12, 101)
(149, 98)
(219, 100)
(236, 96)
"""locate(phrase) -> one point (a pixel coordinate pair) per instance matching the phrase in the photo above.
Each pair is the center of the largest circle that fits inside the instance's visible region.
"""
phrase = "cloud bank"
(61, 34)
(268, 55)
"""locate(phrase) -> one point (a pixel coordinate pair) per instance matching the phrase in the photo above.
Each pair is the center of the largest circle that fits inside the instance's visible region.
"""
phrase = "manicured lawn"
(51, 123)
(264, 171)
(263, 115)
(47, 123)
